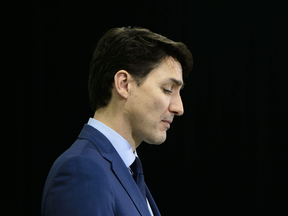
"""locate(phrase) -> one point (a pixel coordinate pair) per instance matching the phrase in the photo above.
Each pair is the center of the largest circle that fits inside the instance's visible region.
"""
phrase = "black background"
(225, 155)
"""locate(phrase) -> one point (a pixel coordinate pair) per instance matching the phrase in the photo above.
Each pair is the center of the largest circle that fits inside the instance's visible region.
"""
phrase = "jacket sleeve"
(79, 187)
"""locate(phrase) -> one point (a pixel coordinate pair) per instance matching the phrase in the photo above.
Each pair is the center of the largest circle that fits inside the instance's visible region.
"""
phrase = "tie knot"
(136, 166)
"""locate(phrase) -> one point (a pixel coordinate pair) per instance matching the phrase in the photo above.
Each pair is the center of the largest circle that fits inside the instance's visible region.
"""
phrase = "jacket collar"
(120, 170)
(120, 144)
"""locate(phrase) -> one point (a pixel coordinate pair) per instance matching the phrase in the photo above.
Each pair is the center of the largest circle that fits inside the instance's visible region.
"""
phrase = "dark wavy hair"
(136, 50)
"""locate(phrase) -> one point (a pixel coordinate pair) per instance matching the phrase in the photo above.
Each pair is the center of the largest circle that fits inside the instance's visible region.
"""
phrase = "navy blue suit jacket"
(90, 178)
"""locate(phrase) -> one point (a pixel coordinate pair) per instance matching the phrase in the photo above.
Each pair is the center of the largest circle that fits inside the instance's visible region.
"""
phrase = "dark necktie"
(138, 176)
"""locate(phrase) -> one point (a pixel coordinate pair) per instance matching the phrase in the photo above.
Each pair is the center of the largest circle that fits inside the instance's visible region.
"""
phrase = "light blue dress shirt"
(121, 145)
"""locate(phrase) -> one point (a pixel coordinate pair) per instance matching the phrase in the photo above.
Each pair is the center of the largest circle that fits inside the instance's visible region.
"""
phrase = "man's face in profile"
(154, 103)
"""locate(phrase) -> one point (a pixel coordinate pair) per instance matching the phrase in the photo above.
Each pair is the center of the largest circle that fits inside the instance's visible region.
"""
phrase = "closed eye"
(167, 91)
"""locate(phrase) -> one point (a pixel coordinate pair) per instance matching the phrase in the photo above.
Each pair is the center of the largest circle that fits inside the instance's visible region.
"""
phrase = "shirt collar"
(119, 143)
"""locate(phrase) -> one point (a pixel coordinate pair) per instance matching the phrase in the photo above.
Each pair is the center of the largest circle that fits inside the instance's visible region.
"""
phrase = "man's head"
(150, 108)
(135, 50)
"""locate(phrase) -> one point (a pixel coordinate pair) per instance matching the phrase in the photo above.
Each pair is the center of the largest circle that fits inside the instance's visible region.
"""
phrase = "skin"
(144, 112)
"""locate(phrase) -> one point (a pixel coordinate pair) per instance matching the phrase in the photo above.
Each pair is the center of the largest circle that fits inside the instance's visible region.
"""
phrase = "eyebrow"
(177, 82)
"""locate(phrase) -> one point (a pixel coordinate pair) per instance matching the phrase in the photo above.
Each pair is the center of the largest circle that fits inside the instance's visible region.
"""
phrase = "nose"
(176, 105)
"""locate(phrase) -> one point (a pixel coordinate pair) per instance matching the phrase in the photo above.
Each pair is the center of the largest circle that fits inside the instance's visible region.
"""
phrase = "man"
(134, 88)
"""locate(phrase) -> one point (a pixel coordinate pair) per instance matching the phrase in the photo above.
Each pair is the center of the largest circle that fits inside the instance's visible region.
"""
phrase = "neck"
(117, 122)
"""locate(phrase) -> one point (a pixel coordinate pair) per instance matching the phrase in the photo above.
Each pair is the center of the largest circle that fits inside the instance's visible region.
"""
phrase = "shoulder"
(82, 157)
(78, 178)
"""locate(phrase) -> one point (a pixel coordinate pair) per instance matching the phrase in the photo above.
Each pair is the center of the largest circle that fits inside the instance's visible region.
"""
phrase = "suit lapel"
(119, 168)
(131, 188)
(152, 203)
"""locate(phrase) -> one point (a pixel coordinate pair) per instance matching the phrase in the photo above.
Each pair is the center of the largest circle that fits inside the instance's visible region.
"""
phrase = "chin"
(156, 140)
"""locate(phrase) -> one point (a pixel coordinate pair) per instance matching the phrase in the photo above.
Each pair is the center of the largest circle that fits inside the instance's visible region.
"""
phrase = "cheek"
(158, 107)
(162, 101)
(154, 104)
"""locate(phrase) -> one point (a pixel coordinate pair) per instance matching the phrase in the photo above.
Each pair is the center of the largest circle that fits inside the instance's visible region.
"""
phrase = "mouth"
(167, 123)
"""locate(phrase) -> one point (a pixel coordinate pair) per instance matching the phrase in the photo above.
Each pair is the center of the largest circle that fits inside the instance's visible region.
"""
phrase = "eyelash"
(167, 90)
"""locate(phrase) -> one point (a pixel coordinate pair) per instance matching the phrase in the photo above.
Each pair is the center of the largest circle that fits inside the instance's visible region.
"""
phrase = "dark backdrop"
(227, 154)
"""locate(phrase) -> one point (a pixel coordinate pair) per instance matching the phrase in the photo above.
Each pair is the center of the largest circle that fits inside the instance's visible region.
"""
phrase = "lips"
(167, 123)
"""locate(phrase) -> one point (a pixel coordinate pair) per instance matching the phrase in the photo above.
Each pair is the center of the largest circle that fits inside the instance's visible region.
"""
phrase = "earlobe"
(121, 83)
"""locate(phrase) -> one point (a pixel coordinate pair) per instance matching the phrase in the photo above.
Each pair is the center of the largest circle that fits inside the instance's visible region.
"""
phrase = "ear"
(122, 82)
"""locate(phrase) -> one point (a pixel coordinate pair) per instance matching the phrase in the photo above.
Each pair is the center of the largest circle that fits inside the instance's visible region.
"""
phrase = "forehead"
(173, 64)
(167, 70)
